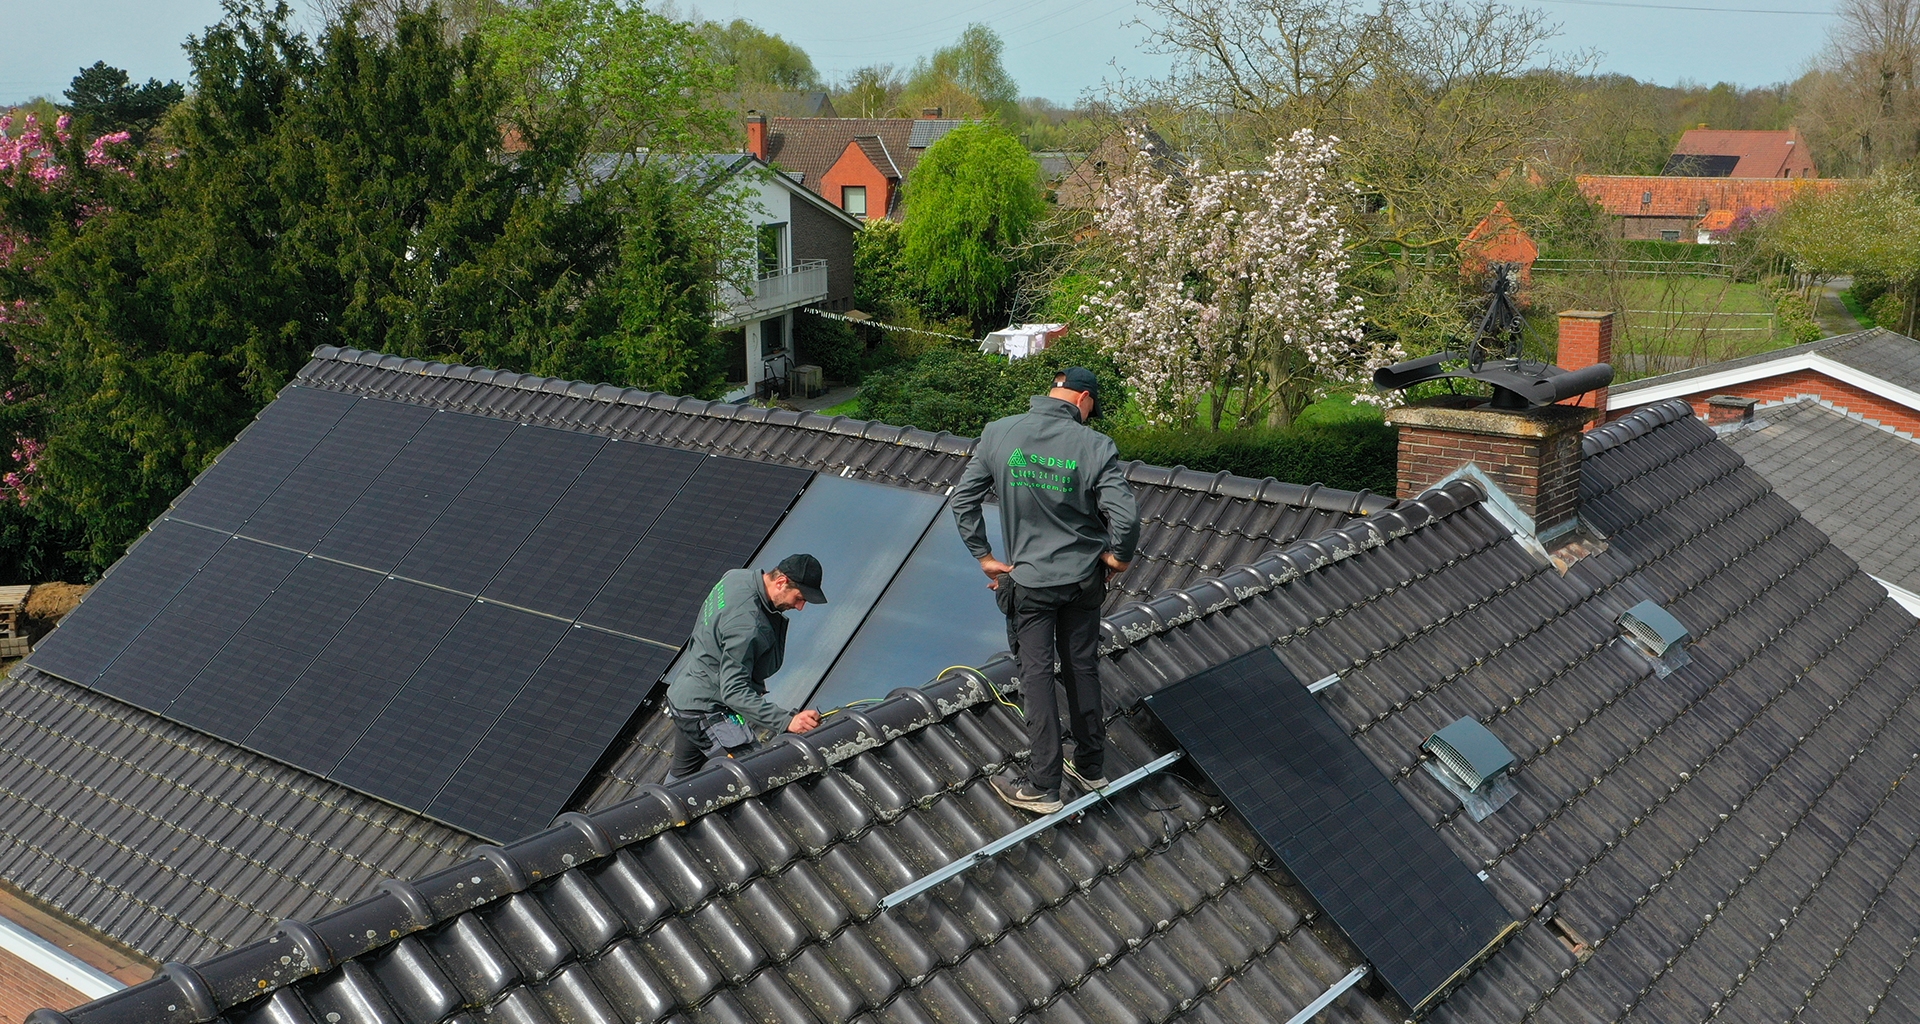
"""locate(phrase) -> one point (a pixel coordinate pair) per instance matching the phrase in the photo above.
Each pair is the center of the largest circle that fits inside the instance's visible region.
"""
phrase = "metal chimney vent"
(1653, 628)
(1468, 752)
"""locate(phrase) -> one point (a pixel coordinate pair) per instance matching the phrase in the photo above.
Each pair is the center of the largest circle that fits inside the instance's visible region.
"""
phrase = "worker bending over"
(719, 696)
(1069, 522)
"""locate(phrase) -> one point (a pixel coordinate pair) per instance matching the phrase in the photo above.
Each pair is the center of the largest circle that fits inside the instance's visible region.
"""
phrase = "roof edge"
(1635, 424)
(182, 994)
(1223, 483)
(1758, 360)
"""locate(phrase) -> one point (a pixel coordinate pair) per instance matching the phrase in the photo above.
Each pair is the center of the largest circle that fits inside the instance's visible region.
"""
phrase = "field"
(1666, 322)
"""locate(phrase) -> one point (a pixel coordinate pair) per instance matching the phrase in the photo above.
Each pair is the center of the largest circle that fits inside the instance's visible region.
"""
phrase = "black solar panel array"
(447, 611)
(1376, 867)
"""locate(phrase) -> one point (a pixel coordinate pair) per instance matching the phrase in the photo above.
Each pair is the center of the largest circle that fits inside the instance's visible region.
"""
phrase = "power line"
(1682, 7)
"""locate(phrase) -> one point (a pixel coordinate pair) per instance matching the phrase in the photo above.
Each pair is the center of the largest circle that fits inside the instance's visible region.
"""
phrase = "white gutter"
(1907, 598)
(1711, 382)
(57, 963)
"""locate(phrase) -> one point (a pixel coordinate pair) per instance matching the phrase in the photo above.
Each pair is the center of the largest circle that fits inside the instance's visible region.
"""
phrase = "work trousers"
(1062, 622)
(694, 742)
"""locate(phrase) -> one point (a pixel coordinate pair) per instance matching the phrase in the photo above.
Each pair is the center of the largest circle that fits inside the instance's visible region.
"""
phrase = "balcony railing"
(772, 293)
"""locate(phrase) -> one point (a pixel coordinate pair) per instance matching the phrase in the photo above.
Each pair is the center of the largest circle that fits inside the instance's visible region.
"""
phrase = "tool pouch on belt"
(723, 731)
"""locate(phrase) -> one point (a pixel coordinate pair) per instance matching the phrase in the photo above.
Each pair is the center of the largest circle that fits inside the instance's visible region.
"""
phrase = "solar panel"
(1313, 796)
(555, 730)
(262, 456)
(124, 601)
(716, 522)
(386, 595)
(940, 599)
(861, 533)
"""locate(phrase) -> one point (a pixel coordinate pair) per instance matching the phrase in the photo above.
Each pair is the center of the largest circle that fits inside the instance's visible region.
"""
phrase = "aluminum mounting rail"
(1027, 831)
(1335, 991)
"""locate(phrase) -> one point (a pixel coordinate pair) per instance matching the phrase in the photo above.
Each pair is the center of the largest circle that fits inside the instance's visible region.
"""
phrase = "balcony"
(804, 283)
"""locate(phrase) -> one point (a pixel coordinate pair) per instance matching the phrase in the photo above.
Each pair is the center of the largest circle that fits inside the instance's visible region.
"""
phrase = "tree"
(758, 57)
(642, 80)
(1871, 230)
(1862, 106)
(970, 203)
(872, 91)
(964, 80)
(103, 99)
(1222, 297)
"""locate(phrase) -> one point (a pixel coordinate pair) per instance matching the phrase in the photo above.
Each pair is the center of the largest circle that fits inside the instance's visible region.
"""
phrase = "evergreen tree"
(103, 99)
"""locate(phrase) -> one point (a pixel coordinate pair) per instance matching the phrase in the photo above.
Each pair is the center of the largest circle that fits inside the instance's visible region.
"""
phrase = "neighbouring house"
(858, 164)
(1706, 153)
(1689, 209)
(1698, 711)
(804, 257)
(1085, 186)
(1498, 238)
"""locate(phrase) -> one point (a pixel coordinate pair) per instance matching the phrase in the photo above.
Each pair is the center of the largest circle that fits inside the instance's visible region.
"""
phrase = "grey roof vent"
(1653, 628)
(1471, 763)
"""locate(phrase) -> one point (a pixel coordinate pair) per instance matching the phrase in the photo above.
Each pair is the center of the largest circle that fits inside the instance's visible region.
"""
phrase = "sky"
(1059, 49)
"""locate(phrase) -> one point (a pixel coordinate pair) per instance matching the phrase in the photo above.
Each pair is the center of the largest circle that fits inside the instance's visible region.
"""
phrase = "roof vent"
(1468, 750)
(1653, 628)
(1472, 763)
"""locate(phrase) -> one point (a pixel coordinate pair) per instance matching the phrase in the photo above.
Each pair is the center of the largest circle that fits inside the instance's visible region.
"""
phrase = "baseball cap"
(1079, 378)
(804, 572)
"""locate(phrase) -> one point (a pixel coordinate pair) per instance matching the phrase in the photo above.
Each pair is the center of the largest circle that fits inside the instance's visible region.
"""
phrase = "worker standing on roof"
(720, 694)
(1070, 523)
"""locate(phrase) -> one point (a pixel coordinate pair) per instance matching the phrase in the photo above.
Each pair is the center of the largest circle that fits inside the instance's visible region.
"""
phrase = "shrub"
(1796, 319)
(959, 390)
(832, 345)
(1888, 311)
(1353, 455)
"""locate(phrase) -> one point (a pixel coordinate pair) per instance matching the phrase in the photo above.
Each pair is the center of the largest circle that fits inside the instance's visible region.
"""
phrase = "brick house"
(858, 164)
(1675, 208)
(1707, 153)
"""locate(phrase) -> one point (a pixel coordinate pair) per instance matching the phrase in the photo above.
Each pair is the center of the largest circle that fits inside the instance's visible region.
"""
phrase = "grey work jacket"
(738, 641)
(1063, 497)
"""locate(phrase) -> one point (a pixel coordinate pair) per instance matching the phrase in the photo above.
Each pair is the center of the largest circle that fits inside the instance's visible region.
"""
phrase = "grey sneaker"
(1091, 782)
(1020, 793)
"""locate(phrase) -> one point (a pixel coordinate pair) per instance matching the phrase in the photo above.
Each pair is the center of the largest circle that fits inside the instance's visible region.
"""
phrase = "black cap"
(803, 571)
(1079, 378)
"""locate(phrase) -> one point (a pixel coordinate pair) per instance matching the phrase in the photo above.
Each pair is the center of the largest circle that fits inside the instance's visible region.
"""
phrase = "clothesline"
(884, 327)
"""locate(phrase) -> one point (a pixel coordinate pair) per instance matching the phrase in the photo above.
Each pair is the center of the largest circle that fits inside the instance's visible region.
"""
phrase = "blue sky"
(1056, 48)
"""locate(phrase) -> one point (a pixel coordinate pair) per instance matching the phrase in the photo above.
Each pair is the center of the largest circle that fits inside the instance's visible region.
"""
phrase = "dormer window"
(853, 199)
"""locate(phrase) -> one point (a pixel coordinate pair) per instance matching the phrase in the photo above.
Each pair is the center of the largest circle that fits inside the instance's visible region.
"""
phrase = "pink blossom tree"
(1223, 299)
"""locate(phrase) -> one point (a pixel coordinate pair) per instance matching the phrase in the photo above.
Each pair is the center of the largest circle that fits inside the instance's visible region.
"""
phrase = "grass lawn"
(850, 407)
(1663, 323)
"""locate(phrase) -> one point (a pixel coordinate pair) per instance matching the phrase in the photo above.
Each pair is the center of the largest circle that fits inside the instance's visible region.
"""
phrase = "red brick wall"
(24, 989)
(853, 168)
(1541, 475)
(1809, 382)
(1586, 339)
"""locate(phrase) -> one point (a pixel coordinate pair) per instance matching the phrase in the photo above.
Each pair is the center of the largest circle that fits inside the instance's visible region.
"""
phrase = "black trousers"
(1062, 622)
(695, 741)
(689, 748)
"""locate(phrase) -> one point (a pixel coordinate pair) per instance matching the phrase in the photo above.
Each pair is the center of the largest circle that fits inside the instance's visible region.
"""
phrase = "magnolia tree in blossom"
(1223, 301)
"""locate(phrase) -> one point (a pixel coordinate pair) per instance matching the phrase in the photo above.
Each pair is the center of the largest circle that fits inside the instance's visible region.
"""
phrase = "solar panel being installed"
(1338, 823)
(861, 533)
(447, 611)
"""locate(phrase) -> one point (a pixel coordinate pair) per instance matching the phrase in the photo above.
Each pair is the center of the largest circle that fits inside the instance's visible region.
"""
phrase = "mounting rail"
(1019, 835)
(1326, 998)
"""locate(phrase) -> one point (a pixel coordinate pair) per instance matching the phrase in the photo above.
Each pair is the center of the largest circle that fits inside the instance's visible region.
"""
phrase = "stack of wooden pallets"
(13, 613)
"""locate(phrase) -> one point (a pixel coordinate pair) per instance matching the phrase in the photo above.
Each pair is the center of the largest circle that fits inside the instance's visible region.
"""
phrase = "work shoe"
(1091, 782)
(1022, 794)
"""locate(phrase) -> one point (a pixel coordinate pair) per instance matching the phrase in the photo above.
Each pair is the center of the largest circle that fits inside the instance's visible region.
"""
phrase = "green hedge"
(960, 390)
(1353, 456)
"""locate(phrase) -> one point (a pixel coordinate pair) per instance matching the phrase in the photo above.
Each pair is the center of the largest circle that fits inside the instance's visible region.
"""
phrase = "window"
(772, 243)
(1669, 236)
(853, 199)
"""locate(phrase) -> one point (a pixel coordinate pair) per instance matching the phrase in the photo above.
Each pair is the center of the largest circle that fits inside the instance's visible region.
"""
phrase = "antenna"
(1517, 382)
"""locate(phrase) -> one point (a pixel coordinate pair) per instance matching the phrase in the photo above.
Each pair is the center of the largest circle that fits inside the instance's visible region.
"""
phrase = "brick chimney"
(1586, 338)
(757, 134)
(1531, 456)
(1730, 411)
(929, 113)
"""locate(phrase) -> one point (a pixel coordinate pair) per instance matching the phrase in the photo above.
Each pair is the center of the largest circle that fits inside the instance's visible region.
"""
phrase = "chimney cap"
(928, 113)
(1733, 401)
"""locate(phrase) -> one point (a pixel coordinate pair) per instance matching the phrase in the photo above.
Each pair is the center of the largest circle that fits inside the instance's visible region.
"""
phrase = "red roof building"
(1706, 153)
(1498, 238)
(1689, 209)
(855, 163)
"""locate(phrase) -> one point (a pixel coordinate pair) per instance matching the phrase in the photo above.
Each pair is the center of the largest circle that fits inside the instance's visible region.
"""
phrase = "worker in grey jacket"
(1070, 523)
(719, 696)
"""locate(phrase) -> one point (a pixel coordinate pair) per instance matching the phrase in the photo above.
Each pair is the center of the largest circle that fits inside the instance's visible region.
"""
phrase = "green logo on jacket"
(1017, 459)
(715, 603)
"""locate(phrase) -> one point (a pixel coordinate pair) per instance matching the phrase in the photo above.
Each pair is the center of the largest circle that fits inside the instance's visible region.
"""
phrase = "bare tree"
(1861, 105)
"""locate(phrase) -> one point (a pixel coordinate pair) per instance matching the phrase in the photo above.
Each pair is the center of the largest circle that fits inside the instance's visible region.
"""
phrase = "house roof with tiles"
(811, 145)
(1727, 839)
(1742, 154)
(1645, 195)
(1875, 360)
(1856, 479)
(182, 845)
